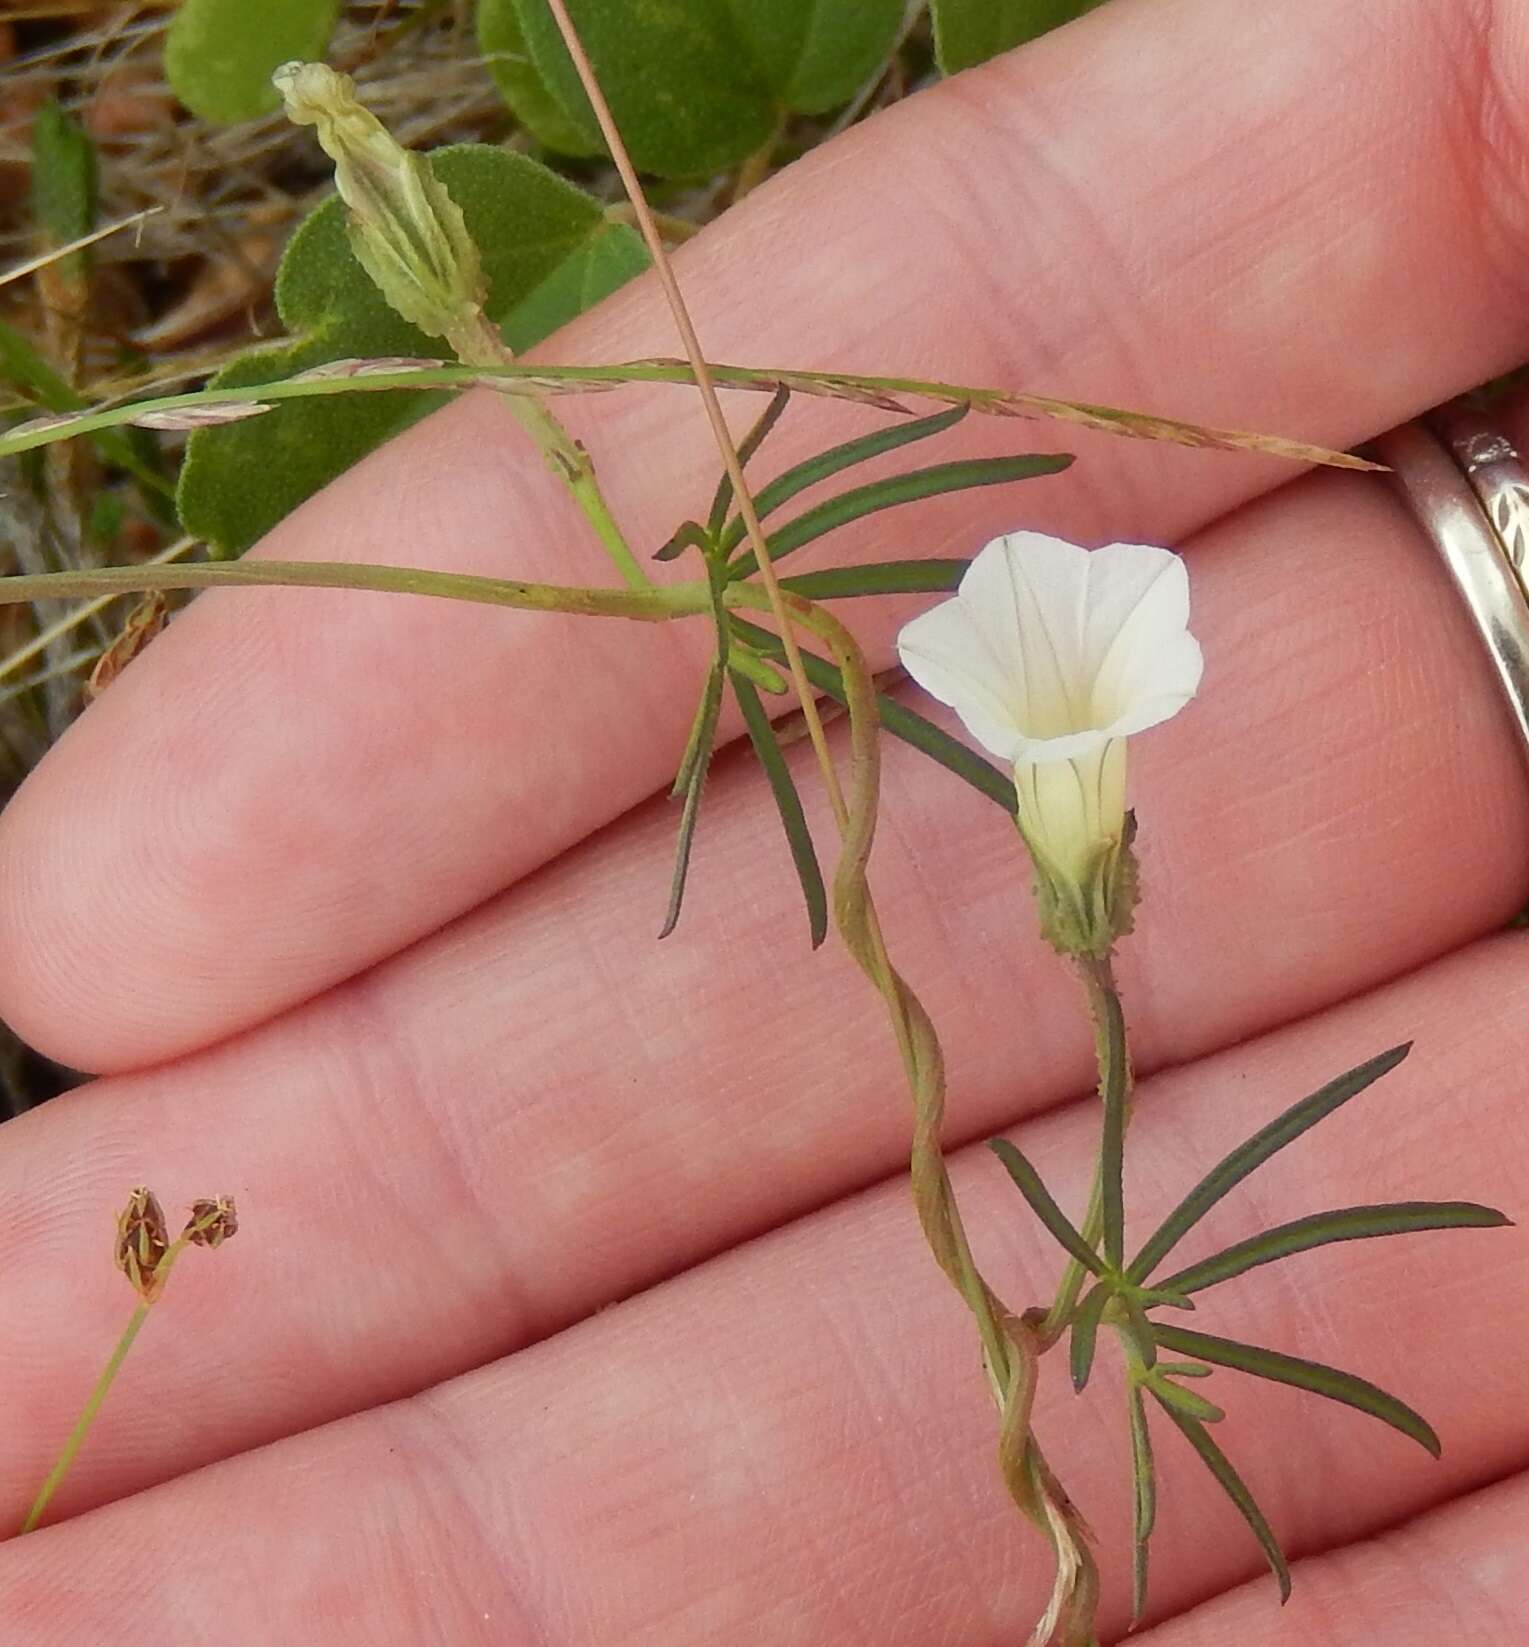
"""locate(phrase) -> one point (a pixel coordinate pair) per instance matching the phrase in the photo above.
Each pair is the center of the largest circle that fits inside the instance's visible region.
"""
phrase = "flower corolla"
(1053, 656)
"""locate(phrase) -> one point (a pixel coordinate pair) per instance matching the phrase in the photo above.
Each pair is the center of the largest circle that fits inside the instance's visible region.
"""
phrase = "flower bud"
(143, 1238)
(405, 229)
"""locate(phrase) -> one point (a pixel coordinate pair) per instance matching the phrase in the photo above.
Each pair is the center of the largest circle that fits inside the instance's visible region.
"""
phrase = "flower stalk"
(411, 238)
(145, 1255)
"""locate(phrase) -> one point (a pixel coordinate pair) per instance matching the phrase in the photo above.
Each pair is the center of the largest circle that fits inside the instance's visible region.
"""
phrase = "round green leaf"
(508, 59)
(697, 85)
(220, 54)
(967, 32)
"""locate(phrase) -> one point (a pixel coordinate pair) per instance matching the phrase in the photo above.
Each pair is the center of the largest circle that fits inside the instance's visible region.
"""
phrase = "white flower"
(1053, 655)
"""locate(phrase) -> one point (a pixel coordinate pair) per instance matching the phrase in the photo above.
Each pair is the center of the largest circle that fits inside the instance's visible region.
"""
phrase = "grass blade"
(1235, 1489)
(900, 721)
(722, 499)
(1085, 1336)
(1323, 1228)
(834, 461)
(1302, 1375)
(839, 511)
(1144, 1499)
(1252, 1154)
(691, 781)
(893, 577)
(788, 803)
(1042, 1205)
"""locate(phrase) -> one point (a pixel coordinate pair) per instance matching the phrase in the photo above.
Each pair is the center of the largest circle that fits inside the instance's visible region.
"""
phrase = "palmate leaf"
(899, 720)
(917, 484)
(788, 803)
(1235, 1489)
(1249, 1156)
(1319, 1230)
(1043, 1206)
(1302, 1375)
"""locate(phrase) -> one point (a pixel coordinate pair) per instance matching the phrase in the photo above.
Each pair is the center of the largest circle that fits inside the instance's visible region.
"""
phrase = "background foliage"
(242, 274)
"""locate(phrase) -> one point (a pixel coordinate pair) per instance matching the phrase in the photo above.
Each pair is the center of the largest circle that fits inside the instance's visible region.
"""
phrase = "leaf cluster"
(1125, 1295)
(745, 652)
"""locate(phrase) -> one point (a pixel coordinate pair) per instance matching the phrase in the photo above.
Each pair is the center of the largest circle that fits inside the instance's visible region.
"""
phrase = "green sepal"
(1086, 917)
(1232, 1484)
(1250, 1155)
(1300, 1374)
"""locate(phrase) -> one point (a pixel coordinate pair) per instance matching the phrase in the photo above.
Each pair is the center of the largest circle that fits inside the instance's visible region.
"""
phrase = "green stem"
(1104, 1219)
(98, 1395)
(481, 345)
(647, 605)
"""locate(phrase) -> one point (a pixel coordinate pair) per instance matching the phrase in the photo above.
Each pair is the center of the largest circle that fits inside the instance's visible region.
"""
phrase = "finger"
(1449, 1575)
(541, 1110)
(794, 1441)
(289, 786)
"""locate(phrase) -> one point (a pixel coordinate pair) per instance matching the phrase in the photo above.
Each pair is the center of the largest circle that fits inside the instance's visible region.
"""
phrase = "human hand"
(354, 897)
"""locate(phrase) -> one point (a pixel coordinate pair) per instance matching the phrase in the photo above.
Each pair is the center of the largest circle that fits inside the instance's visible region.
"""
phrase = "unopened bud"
(405, 229)
(143, 1238)
(212, 1222)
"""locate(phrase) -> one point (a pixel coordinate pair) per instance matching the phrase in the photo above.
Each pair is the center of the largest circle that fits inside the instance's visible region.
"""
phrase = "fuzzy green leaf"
(530, 226)
(220, 54)
(507, 58)
(1249, 1156)
(917, 484)
(697, 85)
(1085, 1336)
(611, 256)
(1303, 1375)
(1324, 1228)
(893, 577)
(967, 32)
(901, 722)
(1029, 1183)
(789, 804)
(1235, 1489)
